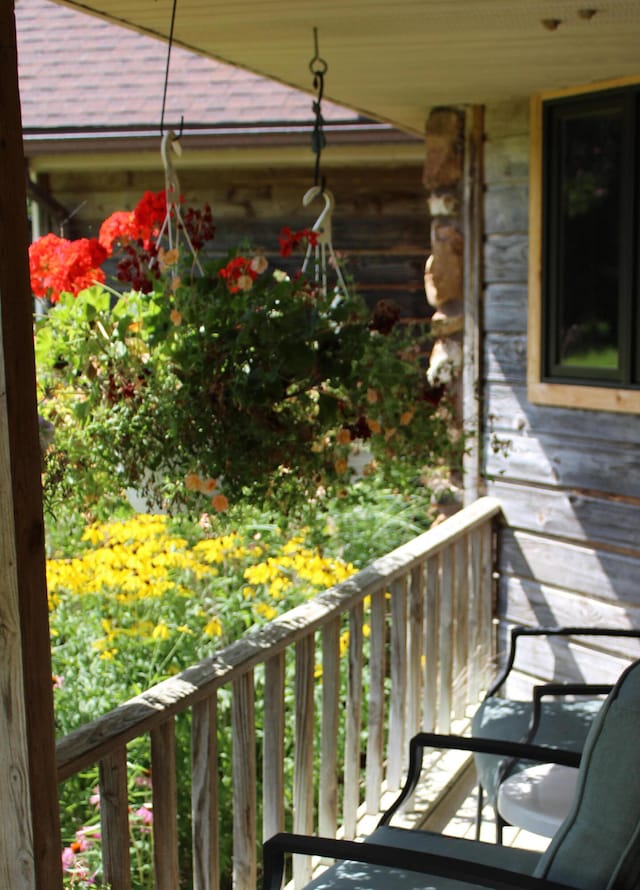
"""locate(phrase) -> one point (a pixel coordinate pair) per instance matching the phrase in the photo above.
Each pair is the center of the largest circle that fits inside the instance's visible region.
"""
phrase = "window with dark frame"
(590, 255)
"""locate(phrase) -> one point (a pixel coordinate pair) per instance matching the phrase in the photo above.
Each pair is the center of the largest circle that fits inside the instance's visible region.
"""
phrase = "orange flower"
(192, 482)
(341, 466)
(167, 258)
(259, 263)
(244, 283)
(343, 437)
(373, 396)
(406, 418)
(374, 426)
(175, 317)
(219, 503)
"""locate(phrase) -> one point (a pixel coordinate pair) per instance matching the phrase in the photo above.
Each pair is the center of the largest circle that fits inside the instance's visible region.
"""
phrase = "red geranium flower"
(120, 227)
(290, 241)
(239, 274)
(150, 213)
(57, 265)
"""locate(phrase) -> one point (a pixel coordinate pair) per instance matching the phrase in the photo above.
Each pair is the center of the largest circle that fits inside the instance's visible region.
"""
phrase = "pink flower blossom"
(145, 814)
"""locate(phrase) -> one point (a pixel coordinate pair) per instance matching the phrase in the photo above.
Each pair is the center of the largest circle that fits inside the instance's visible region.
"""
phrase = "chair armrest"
(512, 750)
(568, 631)
(382, 854)
(559, 689)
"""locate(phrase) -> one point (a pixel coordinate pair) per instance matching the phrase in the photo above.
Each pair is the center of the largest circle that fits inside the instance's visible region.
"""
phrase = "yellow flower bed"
(149, 602)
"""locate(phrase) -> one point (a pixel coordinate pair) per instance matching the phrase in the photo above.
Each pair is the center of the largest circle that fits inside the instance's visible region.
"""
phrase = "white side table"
(538, 799)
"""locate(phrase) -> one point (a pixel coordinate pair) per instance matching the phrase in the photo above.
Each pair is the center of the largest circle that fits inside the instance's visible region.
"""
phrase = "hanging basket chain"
(173, 224)
(166, 70)
(318, 68)
(321, 253)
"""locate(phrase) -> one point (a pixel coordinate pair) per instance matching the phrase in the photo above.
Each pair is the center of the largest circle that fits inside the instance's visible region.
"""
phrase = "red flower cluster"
(138, 266)
(150, 213)
(290, 241)
(117, 229)
(57, 265)
(199, 225)
(239, 273)
(140, 224)
(133, 233)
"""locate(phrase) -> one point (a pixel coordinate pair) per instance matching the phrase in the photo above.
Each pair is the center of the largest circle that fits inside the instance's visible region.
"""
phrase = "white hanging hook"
(324, 252)
(170, 141)
(172, 192)
(323, 223)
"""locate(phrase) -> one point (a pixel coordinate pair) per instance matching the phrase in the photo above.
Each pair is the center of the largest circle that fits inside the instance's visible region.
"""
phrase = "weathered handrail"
(416, 596)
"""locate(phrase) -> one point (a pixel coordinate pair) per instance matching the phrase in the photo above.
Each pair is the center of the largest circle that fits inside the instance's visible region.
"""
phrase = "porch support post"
(30, 835)
(472, 342)
(453, 280)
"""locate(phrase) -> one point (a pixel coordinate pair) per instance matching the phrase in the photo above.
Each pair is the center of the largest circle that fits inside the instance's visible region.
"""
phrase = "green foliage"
(262, 393)
(135, 600)
(245, 398)
(141, 601)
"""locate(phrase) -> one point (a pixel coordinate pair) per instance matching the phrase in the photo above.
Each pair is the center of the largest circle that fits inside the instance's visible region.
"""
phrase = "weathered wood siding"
(569, 480)
(380, 222)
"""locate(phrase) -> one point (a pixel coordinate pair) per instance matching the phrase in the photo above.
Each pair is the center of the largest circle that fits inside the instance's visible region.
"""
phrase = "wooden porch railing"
(420, 644)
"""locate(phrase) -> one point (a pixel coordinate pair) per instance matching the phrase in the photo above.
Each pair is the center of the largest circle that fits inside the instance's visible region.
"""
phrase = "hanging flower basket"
(237, 380)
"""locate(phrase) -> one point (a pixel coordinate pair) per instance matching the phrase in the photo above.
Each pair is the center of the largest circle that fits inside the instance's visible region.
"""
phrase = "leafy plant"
(225, 380)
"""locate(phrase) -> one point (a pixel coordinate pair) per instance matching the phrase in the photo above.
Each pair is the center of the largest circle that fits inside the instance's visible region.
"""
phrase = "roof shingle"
(77, 71)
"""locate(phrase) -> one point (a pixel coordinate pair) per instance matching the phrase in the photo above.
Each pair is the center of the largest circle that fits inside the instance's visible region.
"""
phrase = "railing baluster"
(486, 599)
(303, 756)
(353, 718)
(114, 819)
(244, 782)
(396, 744)
(204, 794)
(165, 806)
(460, 627)
(475, 619)
(328, 791)
(273, 747)
(415, 649)
(377, 668)
(432, 643)
(446, 631)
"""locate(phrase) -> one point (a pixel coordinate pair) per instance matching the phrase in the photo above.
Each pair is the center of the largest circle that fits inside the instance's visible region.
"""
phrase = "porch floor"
(463, 824)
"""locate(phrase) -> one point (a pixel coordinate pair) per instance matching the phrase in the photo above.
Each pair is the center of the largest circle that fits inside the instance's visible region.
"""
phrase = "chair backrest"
(598, 844)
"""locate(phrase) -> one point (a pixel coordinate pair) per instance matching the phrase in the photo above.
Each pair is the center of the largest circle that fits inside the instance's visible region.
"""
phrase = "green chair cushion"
(352, 875)
(598, 844)
(563, 724)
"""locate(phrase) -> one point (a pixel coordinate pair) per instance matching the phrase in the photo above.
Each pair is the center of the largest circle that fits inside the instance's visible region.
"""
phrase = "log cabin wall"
(568, 479)
(380, 222)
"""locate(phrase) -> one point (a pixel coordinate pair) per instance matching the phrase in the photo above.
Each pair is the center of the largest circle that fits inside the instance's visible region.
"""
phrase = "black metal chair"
(596, 848)
(558, 714)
